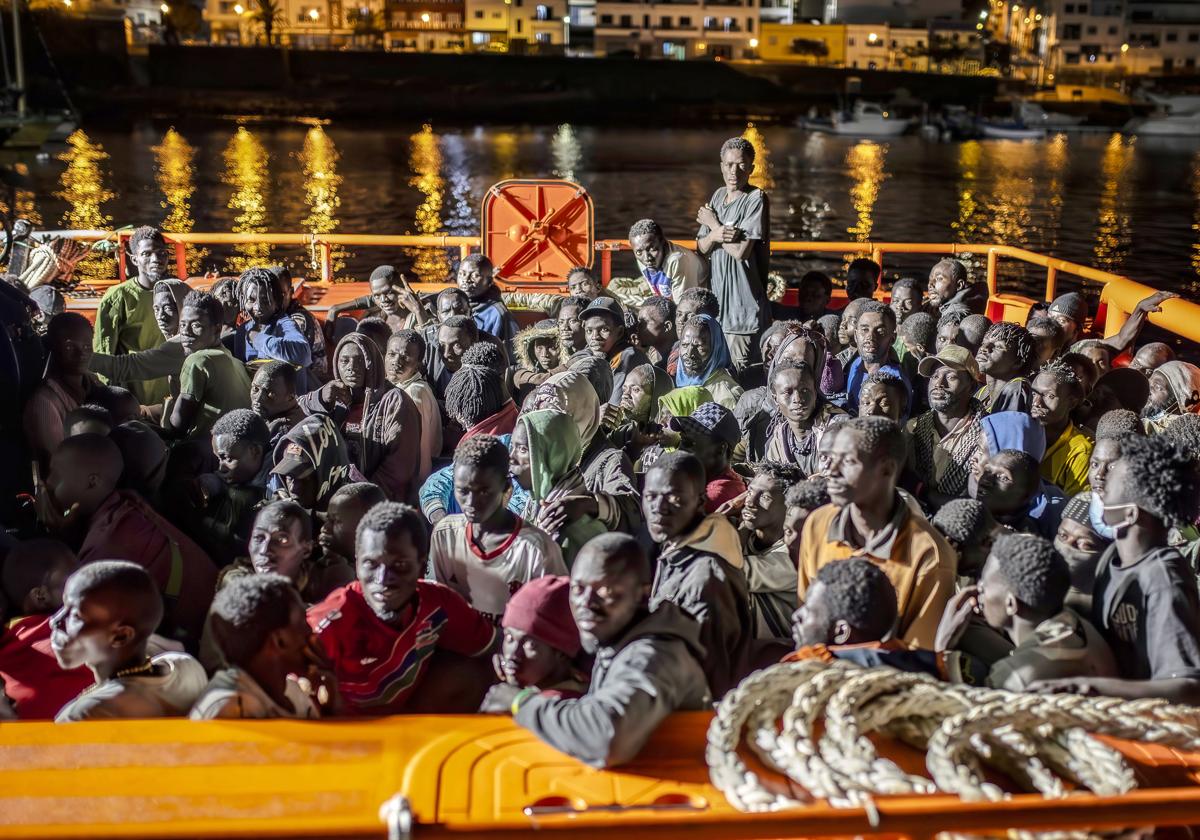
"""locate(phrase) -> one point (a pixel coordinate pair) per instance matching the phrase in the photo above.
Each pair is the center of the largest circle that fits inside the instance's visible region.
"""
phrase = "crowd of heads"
(416, 504)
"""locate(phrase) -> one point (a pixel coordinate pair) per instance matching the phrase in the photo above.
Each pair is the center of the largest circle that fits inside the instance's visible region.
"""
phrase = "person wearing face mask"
(1145, 601)
(1081, 546)
(1020, 594)
(378, 421)
(1174, 391)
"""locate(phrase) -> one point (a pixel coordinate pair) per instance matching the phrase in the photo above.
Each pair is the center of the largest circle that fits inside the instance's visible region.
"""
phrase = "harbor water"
(1119, 203)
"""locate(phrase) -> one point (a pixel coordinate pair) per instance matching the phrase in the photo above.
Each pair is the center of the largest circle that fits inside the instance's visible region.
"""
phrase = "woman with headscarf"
(380, 422)
(799, 417)
(1174, 390)
(267, 331)
(607, 471)
(704, 360)
(544, 453)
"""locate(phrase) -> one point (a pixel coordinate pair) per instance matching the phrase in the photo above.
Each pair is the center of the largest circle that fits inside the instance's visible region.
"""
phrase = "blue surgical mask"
(1096, 517)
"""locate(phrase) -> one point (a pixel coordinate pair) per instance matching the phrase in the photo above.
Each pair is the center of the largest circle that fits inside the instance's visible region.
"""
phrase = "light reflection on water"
(1132, 207)
(319, 159)
(246, 175)
(83, 191)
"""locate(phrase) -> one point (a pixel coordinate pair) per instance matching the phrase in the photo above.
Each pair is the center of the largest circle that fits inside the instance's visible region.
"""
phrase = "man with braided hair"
(1021, 594)
(486, 553)
(667, 268)
(869, 518)
(125, 318)
(1145, 601)
(1004, 358)
(1057, 392)
(477, 401)
(268, 331)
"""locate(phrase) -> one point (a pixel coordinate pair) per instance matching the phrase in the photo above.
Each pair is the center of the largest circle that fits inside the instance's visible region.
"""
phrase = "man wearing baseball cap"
(710, 433)
(607, 335)
(945, 437)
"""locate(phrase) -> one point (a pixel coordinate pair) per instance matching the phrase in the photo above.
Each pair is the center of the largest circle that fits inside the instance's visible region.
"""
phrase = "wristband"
(521, 697)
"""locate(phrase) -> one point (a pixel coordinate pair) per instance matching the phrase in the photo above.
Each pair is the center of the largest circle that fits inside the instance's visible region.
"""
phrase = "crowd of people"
(220, 506)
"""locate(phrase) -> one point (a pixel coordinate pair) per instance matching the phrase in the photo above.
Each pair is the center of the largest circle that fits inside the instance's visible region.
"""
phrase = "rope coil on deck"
(1043, 743)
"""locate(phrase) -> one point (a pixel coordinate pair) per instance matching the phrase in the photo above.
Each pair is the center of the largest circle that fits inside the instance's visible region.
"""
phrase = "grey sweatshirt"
(651, 671)
(714, 592)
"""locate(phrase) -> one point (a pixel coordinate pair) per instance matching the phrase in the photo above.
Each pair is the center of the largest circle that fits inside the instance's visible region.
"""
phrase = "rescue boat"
(440, 776)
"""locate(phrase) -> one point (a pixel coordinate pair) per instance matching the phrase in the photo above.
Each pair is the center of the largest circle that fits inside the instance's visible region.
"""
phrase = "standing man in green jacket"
(125, 321)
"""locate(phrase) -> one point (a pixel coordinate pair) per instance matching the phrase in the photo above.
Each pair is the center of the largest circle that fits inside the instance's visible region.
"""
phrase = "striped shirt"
(378, 665)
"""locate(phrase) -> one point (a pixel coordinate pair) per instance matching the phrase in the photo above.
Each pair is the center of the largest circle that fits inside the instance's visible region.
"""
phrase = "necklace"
(147, 667)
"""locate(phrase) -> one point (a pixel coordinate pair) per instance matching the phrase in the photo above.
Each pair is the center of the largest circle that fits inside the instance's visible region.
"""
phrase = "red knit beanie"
(542, 609)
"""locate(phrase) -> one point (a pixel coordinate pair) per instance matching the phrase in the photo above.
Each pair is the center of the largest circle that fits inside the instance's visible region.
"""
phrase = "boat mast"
(18, 59)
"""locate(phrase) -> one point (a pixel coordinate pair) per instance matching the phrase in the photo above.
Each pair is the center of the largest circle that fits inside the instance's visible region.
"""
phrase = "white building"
(726, 29)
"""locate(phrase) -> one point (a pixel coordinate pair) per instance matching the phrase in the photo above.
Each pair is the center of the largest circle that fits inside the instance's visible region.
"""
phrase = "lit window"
(543, 13)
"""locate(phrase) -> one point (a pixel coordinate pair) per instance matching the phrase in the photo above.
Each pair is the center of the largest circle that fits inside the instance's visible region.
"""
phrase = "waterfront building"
(718, 29)
(425, 25)
(517, 25)
(940, 46)
(312, 24)
(1080, 38)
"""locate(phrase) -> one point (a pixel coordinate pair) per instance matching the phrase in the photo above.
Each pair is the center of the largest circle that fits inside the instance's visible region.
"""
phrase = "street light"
(983, 15)
(239, 9)
(313, 14)
(425, 17)
(165, 9)
(873, 37)
(566, 31)
(1124, 48)
(753, 43)
(507, 23)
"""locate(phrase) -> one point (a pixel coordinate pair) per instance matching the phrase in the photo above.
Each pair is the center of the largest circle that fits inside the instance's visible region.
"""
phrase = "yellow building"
(807, 43)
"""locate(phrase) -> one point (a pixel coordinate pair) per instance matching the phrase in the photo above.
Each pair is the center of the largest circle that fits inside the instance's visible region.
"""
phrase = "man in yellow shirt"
(869, 519)
(1057, 391)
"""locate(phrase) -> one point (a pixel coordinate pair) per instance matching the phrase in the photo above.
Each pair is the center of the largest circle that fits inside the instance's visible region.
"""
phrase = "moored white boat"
(1166, 125)
(1010, 131)
(869, 120)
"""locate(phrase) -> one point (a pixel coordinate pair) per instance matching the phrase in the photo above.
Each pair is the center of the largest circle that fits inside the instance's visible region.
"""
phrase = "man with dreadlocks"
(268, 332)
(305, 321)
(1004, 358)
(1057, 392)
(125, 320)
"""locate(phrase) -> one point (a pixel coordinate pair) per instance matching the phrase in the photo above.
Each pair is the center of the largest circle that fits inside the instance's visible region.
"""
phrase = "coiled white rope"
(1043, 743)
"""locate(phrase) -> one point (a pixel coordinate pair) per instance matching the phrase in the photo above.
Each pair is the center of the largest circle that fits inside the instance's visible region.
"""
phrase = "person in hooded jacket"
(639, 428)
(544, 459)
(539, 356)
(699, 567)
(647, 662)
(378, 420)
(607, 472)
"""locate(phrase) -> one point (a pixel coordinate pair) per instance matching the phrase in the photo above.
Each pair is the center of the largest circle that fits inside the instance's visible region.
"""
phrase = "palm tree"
(270, 14)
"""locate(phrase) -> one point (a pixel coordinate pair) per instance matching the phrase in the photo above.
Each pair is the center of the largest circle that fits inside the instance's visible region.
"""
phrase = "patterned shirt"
(944, 462)
(378, 665)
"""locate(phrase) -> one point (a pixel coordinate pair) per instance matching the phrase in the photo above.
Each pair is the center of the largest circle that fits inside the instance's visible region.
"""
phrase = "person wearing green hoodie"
(544, 459)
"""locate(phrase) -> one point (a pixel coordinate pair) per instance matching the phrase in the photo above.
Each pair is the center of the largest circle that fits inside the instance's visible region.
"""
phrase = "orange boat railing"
(1118, 297)
(463, 776)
